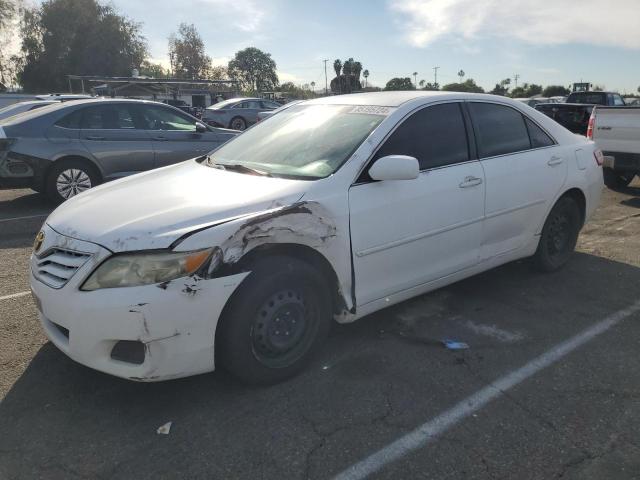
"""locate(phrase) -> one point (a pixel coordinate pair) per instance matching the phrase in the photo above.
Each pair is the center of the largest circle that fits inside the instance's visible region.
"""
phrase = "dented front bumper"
(144, 333)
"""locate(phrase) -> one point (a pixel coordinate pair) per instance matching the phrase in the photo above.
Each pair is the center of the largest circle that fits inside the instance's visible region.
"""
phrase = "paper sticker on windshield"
(371, 110)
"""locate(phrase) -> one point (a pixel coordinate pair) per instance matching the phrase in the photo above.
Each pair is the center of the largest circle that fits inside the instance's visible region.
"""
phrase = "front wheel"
(559, 235)
(68, 178)
(613, 179)
(274, 322)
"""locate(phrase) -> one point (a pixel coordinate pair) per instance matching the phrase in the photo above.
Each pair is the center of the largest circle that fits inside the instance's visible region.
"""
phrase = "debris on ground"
(164, 429)
(455, 344)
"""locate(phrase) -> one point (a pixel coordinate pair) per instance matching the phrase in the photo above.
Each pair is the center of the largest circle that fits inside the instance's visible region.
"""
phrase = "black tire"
(559, 235)
(238, 123)
(274, 322)
(81, 175)
(614, 180)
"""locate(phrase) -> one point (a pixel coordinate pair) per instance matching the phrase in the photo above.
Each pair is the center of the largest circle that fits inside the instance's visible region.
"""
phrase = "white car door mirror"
(395, 167)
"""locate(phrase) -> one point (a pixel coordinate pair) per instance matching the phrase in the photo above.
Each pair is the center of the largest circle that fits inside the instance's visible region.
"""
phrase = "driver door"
(406, 233)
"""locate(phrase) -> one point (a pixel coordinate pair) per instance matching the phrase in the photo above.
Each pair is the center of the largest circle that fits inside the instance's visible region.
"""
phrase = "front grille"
(57, 266)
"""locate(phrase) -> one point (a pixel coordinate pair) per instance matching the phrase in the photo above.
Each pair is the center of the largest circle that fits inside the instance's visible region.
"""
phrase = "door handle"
(553, 161)
(93, 137)
(159, 139)
(470, 182)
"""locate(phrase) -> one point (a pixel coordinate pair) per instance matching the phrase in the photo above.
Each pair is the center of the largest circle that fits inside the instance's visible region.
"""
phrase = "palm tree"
(313, 87)
(365, 74)
(415, 79)
(337, 67)
(357, 68)
(461, 75)
(422, 82)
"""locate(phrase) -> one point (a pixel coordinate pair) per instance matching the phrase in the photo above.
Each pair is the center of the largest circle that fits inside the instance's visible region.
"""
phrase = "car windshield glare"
(305, 141)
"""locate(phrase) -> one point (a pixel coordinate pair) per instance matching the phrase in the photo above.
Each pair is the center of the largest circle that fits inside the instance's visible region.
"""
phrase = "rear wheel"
(559, 235)
(274, 322)
(613, 179)
(68, 178)
(238, 123)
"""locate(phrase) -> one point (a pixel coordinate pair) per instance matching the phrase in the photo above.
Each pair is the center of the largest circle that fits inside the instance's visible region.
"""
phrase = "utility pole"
(326, 91)
(435, 77)
(516, 77)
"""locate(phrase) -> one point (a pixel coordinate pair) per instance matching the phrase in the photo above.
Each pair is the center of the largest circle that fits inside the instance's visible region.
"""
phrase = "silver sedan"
(237, 113)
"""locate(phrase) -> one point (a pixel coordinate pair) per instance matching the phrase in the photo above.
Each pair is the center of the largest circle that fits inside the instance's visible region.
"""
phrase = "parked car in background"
(575, 112)
(21, 107)
(237, 113)
(65, 149)
(184, 106)
(270, 113)
(632, 101)
(333, 208)
(532, 102)
(616, 131)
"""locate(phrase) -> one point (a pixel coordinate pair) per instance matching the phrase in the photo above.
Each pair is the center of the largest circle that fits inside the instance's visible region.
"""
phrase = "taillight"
(599, 156)
(592, 124)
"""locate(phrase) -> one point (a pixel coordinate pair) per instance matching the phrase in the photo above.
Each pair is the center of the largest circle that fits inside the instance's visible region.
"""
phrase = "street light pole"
(326, 91)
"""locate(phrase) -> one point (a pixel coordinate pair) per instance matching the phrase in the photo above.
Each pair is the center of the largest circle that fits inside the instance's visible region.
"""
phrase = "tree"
(501, 88)
(254, 69)
(313, 86)
(468, 85)
(8, 11)
(399, 84)
(81, 37)
(415, 80)
(461, 74)
(526, 90)
(349, 79)
(555, 90)
(430, 86)
(186, 53)
(153, 70)
(365, 74)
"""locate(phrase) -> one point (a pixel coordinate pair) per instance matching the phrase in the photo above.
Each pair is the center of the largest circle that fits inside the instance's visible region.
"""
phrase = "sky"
(544, 41)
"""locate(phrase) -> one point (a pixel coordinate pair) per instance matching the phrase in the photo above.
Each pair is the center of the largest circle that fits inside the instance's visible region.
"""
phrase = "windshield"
(588, 98)
(306, 142)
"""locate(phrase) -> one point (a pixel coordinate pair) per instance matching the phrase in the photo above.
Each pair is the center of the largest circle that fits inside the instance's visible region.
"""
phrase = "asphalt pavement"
(375, 382)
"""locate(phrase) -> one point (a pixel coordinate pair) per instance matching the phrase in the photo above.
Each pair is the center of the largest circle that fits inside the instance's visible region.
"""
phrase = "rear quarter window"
(71, 120)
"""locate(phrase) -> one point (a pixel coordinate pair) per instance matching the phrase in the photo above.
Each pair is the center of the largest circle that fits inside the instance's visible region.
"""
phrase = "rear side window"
(617, 100)
(71, 120)
(108, 117)
(161, 118)
(538, 136)
(499, 130)
(436, 136)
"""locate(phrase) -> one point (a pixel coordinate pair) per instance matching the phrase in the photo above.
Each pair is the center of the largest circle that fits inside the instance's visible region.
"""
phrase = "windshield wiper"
(237, 167)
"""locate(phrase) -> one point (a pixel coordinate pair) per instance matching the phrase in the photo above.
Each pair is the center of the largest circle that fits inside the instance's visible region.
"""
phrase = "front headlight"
(129, 270)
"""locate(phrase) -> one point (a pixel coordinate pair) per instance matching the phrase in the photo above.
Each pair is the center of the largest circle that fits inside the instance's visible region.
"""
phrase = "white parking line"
(429, 431)
(23, 218)
(15, 295)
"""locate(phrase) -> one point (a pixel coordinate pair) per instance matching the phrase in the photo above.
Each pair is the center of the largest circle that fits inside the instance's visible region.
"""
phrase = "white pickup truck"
(616, 131)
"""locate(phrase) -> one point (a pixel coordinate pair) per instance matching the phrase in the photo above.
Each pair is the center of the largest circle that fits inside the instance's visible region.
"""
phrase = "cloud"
(288, 77)
(244, 15)
(545, 22)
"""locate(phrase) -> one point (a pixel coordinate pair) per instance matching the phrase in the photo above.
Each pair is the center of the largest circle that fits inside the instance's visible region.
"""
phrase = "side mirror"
(200, 127)
(395, 167)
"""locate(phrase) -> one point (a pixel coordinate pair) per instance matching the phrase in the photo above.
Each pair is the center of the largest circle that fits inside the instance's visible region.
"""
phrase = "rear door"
(410, 232)
(174, 135)
(524, 169)
(112, 134)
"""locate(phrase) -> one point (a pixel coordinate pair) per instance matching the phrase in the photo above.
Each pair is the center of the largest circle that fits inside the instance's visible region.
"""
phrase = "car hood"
(153, 209)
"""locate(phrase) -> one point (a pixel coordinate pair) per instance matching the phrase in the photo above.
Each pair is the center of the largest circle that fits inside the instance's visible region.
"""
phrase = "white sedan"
(332, 209)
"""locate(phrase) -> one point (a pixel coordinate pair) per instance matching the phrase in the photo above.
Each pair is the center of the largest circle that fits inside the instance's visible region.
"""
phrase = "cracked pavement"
(374, 381)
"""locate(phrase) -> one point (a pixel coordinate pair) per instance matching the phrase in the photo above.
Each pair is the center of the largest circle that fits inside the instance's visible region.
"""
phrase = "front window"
(306, 142)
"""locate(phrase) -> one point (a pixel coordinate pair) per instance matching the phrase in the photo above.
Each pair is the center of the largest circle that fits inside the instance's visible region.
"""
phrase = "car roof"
(397, 98)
